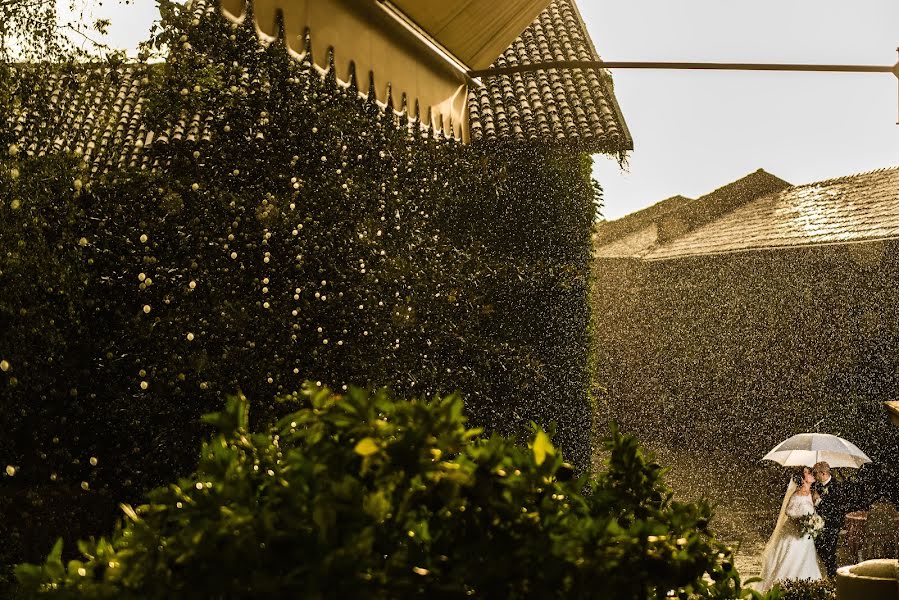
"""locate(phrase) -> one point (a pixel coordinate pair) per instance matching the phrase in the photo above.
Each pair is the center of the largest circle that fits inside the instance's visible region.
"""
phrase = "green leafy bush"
(363, 496)
(804, 589)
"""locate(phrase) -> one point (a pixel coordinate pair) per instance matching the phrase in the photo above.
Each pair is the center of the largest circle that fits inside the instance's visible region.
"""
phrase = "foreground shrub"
(803, 589)
(363, 496)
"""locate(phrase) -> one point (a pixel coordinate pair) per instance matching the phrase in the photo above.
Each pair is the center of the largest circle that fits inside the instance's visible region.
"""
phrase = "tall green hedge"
(742, 351)
(310, 238)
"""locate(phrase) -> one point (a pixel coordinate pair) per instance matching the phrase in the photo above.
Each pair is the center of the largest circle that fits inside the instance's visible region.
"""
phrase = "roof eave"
(627, 138)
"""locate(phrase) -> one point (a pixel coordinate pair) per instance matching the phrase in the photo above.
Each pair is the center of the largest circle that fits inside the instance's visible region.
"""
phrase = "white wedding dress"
(788, 554)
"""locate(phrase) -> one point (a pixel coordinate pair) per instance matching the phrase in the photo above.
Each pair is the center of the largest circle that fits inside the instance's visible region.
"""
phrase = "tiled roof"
(632, 245)
(95, 112)
(571, 107)
(855, 208)
(98, 109)
(642, 233)
(636, 222)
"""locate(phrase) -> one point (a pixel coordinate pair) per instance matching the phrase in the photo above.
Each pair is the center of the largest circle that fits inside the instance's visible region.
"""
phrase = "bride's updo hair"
(798, 476)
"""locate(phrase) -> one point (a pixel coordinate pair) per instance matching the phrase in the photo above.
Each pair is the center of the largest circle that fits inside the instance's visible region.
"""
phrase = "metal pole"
(601, 64)
(896, 73)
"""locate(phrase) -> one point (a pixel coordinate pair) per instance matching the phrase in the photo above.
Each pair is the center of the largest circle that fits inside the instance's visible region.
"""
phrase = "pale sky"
(696, 131)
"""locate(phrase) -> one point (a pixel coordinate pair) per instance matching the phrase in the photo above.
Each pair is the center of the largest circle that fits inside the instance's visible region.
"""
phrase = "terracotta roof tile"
(558, 106)
(95, 112)
(98, 110)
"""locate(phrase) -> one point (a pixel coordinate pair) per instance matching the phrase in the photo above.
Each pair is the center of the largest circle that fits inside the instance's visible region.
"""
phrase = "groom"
(832, 506)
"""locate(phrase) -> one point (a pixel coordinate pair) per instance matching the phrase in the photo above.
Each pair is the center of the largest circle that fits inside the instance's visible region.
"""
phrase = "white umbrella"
(806, 449)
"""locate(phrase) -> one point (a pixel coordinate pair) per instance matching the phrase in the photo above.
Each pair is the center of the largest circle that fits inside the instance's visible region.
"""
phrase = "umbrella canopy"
(806, 449)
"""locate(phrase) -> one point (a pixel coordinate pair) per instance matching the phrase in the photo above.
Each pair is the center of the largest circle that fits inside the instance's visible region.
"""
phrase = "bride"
(789, 554)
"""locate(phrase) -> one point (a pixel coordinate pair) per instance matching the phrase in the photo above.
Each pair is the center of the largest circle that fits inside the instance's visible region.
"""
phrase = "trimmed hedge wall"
(741, 351)
(313, 239)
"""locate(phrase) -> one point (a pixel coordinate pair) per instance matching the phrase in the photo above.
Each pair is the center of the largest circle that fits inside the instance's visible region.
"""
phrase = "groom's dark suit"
(832, 508)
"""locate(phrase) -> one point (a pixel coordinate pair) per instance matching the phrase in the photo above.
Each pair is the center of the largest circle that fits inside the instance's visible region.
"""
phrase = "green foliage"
(307, 233)
(33, 31)
(804, 589)
(364, 496)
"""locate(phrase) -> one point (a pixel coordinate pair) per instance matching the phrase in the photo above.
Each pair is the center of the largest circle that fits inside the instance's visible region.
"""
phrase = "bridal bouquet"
(811, 525)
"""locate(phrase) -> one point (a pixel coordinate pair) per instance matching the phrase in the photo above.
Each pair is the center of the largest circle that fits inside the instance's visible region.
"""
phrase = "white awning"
(420, 48)
(475, 31)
